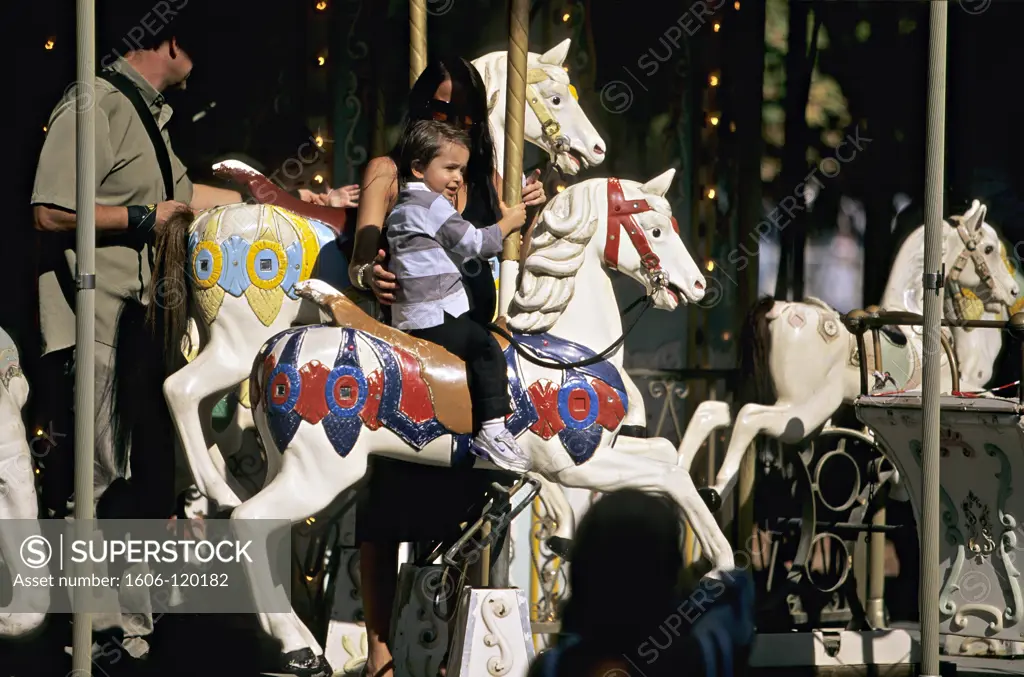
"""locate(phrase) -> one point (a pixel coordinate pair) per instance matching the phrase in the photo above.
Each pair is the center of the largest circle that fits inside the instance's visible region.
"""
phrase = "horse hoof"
(304, 663)
(562, 547)
(711, 498)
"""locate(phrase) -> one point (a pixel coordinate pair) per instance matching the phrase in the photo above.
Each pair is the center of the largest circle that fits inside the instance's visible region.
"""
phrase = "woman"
(626, 616)
(407, 502)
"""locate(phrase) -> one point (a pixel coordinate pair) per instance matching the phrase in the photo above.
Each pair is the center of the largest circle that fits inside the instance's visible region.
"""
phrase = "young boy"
(429, 239)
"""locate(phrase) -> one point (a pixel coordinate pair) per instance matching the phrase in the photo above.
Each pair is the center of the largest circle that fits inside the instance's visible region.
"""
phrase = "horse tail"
(148, 350)
(755, 346)
(140, 421)
(170, 305)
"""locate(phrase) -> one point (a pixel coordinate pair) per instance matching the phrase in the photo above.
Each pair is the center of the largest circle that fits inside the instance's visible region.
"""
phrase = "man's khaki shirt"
(127, 173)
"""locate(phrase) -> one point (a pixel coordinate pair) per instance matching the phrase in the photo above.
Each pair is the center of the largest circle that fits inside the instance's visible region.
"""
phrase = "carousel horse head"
(626, 226)
(976, 260)
(554, 120)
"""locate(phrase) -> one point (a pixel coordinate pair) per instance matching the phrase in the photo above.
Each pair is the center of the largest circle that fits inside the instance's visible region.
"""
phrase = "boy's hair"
(425, 140)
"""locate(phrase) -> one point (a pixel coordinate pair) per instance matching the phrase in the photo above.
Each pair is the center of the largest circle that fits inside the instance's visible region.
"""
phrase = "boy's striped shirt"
(429, 241)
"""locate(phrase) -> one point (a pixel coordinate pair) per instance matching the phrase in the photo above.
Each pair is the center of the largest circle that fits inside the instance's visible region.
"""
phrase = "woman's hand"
(346, 196)
(533, 191)
(382, 282)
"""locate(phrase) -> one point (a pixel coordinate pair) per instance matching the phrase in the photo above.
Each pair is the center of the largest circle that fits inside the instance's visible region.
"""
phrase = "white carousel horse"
(978, 349)
(329, 396)
(18, 500)
(558, 124)
(808, 354)
(254, 255)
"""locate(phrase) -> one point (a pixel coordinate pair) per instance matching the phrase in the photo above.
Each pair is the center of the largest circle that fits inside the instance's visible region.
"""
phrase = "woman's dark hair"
(468, 100)
(425, 141)
(632, 536)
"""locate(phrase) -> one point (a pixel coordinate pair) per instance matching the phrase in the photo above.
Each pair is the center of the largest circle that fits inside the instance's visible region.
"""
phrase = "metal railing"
(872, 319)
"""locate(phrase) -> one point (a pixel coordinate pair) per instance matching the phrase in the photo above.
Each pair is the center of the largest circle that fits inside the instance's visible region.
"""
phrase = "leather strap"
(128, 88)
(550, 127)
(620, 217)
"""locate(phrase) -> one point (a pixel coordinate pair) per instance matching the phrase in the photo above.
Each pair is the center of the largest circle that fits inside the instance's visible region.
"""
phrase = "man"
(132, 202)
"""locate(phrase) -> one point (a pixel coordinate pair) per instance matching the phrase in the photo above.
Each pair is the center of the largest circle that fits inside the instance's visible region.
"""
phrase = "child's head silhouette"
(626, 561)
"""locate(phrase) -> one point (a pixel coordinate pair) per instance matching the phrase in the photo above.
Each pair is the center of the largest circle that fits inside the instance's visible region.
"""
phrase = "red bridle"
(620, 217)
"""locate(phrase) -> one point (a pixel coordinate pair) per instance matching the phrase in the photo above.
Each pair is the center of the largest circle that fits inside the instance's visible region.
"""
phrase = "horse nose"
(698, 285)
(598, 149)
(1014, 291)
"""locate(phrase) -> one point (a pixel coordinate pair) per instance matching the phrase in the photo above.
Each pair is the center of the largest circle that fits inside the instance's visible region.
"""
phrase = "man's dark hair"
(125, 26)
(424, 142)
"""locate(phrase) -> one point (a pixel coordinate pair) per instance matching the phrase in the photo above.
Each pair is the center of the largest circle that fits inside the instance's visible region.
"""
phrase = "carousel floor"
(181, 645)
(215, 645)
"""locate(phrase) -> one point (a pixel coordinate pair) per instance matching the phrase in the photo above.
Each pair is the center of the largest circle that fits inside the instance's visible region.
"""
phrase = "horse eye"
(656, 232)
(556, 100)
(989, 249)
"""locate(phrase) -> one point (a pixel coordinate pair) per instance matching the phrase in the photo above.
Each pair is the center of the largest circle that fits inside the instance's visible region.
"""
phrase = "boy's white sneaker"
(501, 449)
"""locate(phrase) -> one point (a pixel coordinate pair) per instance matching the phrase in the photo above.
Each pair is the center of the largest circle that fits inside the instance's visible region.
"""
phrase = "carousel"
(318, 385)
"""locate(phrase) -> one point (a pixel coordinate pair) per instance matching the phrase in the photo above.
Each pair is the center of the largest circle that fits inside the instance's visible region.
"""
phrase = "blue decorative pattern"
(343, 369)
(291, 276)
(417, 435)
(580, 438)
(523, 413)
(573, 383)
(282, 419)
(342, 425)
(560, 350)
(233, 278)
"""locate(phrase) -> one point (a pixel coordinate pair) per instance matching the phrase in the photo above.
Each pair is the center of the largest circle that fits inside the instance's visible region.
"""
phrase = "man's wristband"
(142, 218)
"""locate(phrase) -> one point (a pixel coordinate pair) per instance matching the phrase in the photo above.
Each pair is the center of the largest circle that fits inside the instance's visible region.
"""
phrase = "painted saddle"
(422, 393)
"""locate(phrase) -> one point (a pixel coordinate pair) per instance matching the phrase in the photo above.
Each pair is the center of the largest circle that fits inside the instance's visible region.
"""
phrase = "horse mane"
(557, 250)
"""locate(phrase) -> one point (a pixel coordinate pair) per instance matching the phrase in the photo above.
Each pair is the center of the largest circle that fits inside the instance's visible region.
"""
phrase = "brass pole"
(417, 39)
(515, 113)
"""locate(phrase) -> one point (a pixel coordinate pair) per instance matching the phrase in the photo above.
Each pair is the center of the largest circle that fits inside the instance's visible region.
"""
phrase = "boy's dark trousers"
(485, 364)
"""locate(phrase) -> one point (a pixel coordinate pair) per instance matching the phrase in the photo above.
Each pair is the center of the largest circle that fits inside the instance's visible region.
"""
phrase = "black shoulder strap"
(128, 88)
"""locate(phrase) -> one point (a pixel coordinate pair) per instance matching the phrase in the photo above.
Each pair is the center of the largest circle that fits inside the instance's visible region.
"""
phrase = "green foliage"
(827, 106)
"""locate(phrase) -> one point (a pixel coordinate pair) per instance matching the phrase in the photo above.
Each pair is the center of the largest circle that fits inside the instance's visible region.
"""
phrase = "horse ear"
(982, 212)
(660, 184)
(556, 55)
(975, 216)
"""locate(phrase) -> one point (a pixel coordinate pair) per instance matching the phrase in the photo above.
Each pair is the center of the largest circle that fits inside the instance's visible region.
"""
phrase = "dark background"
(257, 64)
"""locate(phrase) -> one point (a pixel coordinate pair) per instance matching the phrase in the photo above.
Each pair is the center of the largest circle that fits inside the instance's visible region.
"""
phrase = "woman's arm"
(207, 197)
(376, 195)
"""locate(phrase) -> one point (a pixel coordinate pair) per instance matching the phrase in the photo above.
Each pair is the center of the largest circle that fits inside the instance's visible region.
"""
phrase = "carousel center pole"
(417, 39)
(85, 314)
(512, 174)
(934, 180)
